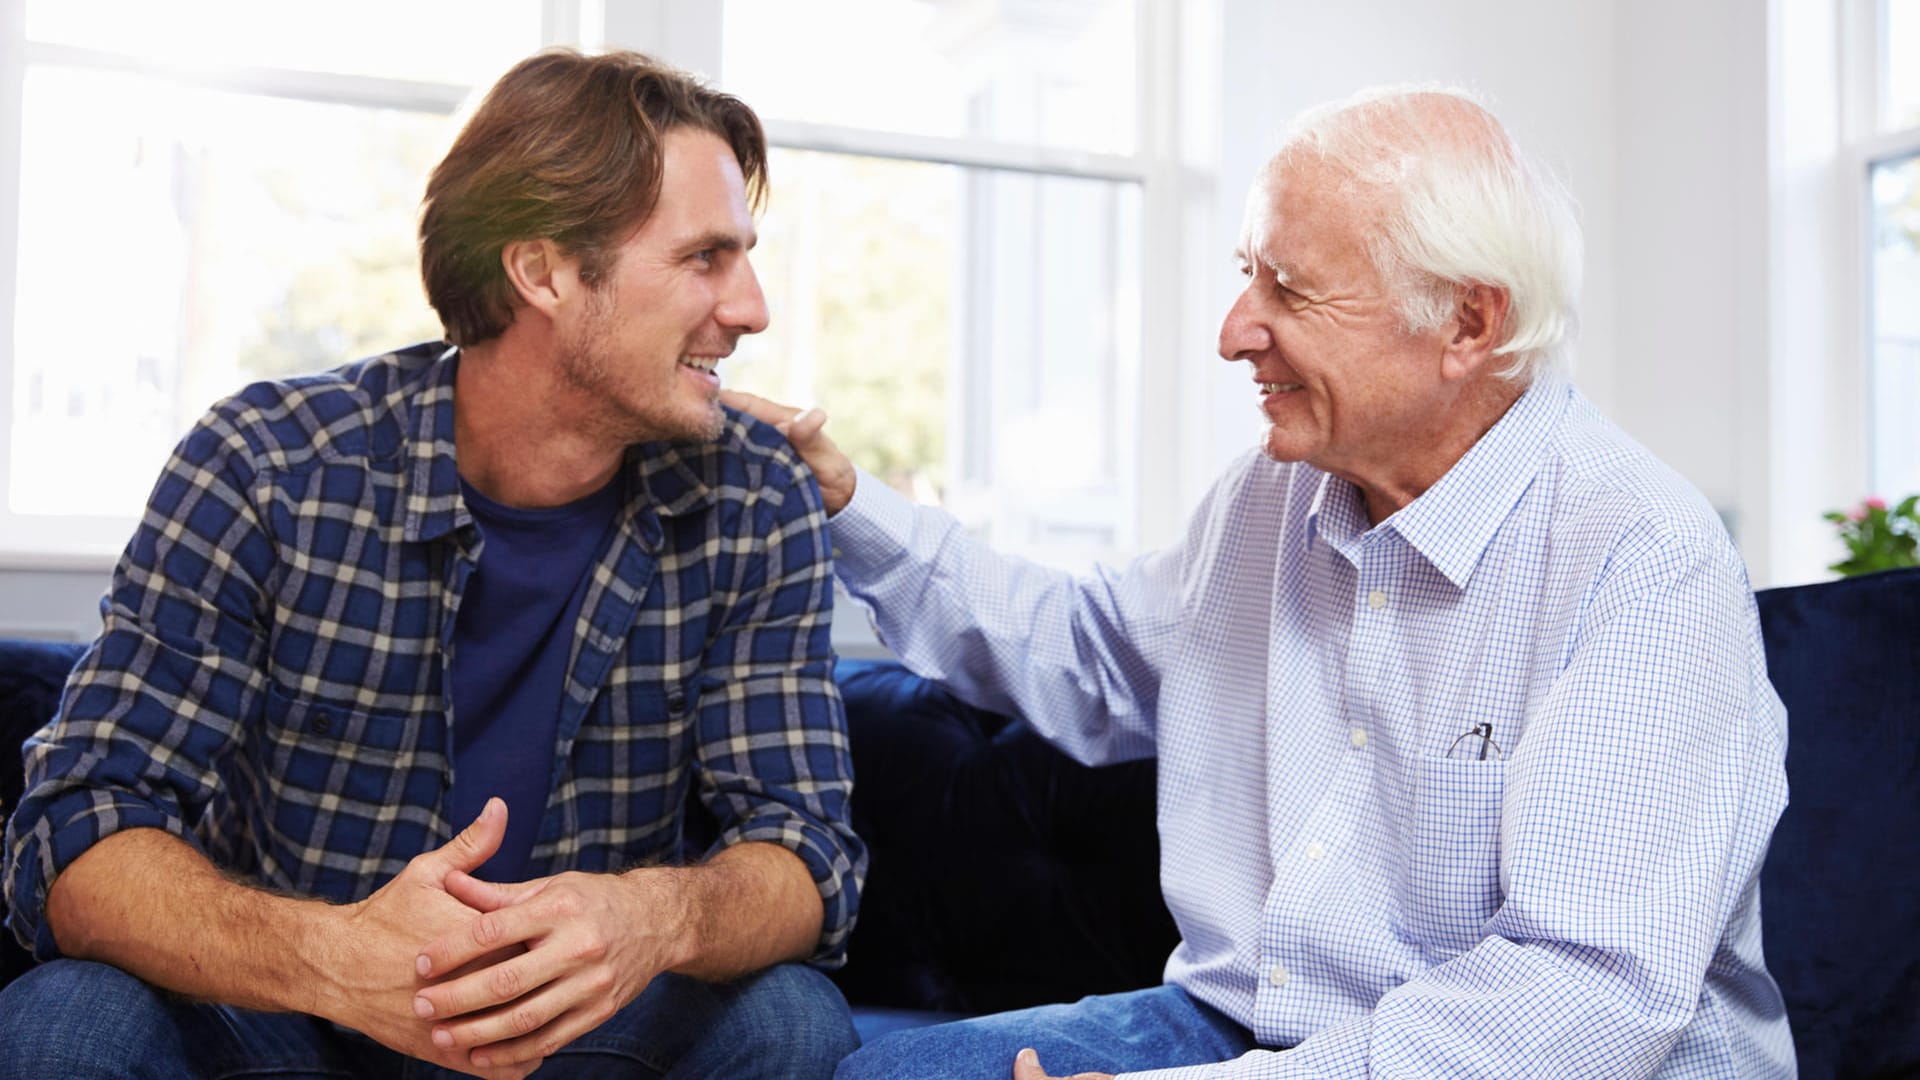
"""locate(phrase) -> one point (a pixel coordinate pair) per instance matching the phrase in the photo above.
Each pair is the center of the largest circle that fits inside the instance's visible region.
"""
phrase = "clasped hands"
(490, 979)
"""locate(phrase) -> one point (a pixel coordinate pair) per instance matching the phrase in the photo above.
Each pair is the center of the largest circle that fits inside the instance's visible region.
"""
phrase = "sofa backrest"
(32, 674)
(1840, 891)
(1005, 874)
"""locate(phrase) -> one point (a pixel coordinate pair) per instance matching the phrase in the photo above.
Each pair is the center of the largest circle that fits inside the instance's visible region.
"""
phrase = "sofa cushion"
(32, 674)
(1003, 874)
(1840, 891)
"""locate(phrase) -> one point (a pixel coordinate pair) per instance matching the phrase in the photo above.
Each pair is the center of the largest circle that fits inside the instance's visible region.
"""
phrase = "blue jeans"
(71, 1018)
(1159, 1028)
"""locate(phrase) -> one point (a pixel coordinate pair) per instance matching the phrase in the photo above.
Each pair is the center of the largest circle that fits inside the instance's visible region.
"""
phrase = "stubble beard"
(586, 365)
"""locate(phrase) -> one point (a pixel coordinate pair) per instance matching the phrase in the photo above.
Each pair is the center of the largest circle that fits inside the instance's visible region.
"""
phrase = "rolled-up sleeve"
(158, 699)
(772, 734)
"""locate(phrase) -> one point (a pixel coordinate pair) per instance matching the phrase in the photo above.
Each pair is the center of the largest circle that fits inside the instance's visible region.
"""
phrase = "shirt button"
(1376, 599)
(1316, 850)
(1278, 976)
(1358, 738)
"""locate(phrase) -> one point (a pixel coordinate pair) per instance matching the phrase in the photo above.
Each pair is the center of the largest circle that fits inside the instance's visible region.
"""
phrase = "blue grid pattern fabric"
(270, 682)
(1351, 877)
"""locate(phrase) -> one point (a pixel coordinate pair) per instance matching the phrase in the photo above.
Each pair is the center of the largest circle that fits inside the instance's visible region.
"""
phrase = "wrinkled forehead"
(1296, 193)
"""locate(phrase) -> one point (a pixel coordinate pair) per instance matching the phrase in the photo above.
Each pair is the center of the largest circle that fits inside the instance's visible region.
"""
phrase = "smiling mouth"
(702, 364)
(1277, 387)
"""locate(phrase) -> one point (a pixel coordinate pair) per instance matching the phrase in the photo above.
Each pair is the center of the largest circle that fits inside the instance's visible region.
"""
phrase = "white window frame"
(1864, 64)
(91, 543)
(1805, 412)
(1173, 164)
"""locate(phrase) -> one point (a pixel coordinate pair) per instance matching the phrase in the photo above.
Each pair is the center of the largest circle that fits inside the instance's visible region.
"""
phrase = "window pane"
(1902, 65)
(459, 41)
(971, 334)
(1036, 72)
(189, 242)
(1896, 328)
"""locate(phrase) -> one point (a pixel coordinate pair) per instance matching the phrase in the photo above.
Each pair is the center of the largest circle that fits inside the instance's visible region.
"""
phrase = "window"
(962, 226)
(1892, 159)
(208, 192)
(952, 251)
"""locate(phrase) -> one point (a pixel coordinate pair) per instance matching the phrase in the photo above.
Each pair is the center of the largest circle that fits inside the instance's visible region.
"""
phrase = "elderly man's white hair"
(1461, 204)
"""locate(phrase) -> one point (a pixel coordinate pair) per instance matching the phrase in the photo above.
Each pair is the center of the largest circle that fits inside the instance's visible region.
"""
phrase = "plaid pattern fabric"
(270, 680)
(1351, 876)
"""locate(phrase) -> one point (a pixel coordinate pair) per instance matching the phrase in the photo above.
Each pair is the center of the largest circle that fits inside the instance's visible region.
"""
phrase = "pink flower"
(1874, 502)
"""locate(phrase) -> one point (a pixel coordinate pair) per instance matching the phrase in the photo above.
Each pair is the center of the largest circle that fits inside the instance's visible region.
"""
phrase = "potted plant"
(1878, 538)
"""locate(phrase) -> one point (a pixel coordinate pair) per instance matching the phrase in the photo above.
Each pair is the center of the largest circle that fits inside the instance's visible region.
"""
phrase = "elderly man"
(1467, 756)
(535, 579)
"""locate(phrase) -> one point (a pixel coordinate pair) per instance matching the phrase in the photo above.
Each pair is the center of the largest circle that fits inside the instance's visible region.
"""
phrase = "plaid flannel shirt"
(270, 681)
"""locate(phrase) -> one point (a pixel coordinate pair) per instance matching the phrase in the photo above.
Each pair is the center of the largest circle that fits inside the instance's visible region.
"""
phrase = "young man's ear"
(540, 274)
(1479, 325)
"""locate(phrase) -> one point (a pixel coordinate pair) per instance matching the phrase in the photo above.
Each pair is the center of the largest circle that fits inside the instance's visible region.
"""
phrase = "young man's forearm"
(145, 901)
(751, 906)
(148, 903)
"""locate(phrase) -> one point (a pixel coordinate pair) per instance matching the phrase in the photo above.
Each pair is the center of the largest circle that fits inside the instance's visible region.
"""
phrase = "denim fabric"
(71, 1018)
(1159, 1028)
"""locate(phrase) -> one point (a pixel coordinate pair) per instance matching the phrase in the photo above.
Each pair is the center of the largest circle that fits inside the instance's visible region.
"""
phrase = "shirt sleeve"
(158, 698)
(773, 752)
(1080, 657)
(1637, 810)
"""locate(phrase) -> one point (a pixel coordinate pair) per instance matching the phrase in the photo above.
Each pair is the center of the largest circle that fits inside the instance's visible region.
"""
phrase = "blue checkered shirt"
(1351, 877)
(270, 683)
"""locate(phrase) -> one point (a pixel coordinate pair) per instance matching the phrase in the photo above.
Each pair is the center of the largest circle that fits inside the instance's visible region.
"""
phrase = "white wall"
(1682, 209)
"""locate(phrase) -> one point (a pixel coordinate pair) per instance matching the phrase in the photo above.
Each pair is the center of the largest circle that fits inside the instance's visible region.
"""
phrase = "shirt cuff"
(835, 870)
(44, 850)
(872, 530)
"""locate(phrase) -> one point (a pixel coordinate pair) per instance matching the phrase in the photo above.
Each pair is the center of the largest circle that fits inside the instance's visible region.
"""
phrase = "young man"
(535, 579)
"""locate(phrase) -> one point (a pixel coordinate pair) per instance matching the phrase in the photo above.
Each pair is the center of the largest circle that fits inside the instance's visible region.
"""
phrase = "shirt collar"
(433, 504)
(1453, 522)
(1336, 514)
(677, 477)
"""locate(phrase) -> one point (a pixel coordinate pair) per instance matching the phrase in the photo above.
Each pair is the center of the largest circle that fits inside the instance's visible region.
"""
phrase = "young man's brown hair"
(564, 147)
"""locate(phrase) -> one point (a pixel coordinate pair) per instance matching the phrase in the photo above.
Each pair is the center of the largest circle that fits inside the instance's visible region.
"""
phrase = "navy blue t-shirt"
(511, 642)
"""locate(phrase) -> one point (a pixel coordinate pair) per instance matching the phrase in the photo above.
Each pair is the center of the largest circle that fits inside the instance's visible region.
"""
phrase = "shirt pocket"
(336, 778)
(1452, 887)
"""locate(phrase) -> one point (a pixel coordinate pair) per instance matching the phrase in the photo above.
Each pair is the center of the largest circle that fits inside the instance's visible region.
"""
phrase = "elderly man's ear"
(1479, 324)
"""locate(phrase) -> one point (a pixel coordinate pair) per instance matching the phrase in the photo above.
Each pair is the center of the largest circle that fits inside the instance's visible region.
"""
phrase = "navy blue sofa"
(1004, 874)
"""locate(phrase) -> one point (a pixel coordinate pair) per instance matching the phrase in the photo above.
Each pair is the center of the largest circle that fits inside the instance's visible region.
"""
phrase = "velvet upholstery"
(31, 676)
(1004, 874)
(1840, 891)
